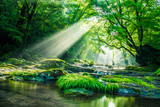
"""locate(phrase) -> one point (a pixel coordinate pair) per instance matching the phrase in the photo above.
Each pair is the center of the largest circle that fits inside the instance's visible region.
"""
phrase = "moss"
(30, 73)
(137, 68)
(147, 78)
(157, 72)
(4, 65)
(142, 69)
(78, 92)
(52, 63)
(130, 67)
(119, 76)
(113, 79)
(116, 80)
(85, 73)
(84, 62)
(55, 72)
(18, 62)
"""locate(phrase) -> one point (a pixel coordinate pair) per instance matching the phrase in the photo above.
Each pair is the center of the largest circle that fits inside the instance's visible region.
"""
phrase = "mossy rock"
(18, 62)
(80, 69)
(157, 72)
(142, 69)
(7, 66)
(54, 72)
(131, 67)
(52, 63)
(78, 92)
(17, 78)
(137, 68)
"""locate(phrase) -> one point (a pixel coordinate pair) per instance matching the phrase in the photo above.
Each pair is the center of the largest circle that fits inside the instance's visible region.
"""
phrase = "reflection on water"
(28, 94)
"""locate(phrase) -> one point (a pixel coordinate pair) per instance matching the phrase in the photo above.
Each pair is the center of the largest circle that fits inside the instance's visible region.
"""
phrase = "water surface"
(34, 94)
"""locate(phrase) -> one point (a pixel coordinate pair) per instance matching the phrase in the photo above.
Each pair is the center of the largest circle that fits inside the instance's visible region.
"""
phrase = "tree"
(129, 24)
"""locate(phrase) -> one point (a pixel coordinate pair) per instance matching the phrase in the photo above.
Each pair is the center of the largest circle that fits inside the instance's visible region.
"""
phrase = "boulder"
(78, 92)
(54, 72)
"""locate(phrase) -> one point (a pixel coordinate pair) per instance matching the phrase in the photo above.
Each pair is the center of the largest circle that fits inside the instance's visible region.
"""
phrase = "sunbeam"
(61, 41)
(114, 57)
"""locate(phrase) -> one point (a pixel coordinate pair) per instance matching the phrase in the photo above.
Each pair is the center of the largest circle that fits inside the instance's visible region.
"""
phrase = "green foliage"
(18, 62)
(130, 67)
(137, 68)
(141, 82)
(79, 81)
(6, 65)
(118, 76)
(85, 73)
(111, 88)
(130, 25)
(78, 92)
(157, 72)
(147, 78)
(85, 62)
(118, 79)
(30, 73)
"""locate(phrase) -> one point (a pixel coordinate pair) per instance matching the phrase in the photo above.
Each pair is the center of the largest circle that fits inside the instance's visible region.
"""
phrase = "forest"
(65, 51)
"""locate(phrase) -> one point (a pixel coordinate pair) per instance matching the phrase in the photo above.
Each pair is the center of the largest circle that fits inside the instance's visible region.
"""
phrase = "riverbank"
(130, 82)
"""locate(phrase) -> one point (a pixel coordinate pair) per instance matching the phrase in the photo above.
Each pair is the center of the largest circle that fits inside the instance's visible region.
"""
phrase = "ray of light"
(58, 43)
(114, 57)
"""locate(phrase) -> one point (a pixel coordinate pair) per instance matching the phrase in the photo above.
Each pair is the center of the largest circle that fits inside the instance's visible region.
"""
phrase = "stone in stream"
(78, 92)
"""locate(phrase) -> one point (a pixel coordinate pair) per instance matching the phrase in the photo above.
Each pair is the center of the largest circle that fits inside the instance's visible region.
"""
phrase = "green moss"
(79, 81)
(142, 69)
(31, 73)
(141, 82)
(116, 80)
(78, 92)
(55, 72)
(130, 67)
(147, 78)
(113, 79)
(18, 62)
(6, 65)
(119, 76)
(85, 73)
(52, 63)
(85, 62)
(157, 72)
(137, 68)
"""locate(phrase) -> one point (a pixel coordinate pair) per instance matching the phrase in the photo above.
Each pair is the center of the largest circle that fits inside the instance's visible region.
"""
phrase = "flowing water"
(34, 94)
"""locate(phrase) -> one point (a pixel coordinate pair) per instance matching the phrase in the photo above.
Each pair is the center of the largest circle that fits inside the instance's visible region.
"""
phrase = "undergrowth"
(119, 79)
(80, 81)
(85, 81)
(31, 73)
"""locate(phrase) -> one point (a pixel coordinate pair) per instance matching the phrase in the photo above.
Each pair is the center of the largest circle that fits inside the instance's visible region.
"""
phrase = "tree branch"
(116, 46)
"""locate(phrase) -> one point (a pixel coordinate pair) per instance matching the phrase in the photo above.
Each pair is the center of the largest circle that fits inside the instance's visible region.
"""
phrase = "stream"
(37, 94)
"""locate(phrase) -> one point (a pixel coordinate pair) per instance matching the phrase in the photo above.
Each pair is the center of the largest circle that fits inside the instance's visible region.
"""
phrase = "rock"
(129, 91)
(52, 63)
(54, 72)
(95, 75)
(78, 92)
(39, 79)
(80, 69)
(2, 78)
(50, 78)
(17, 78)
